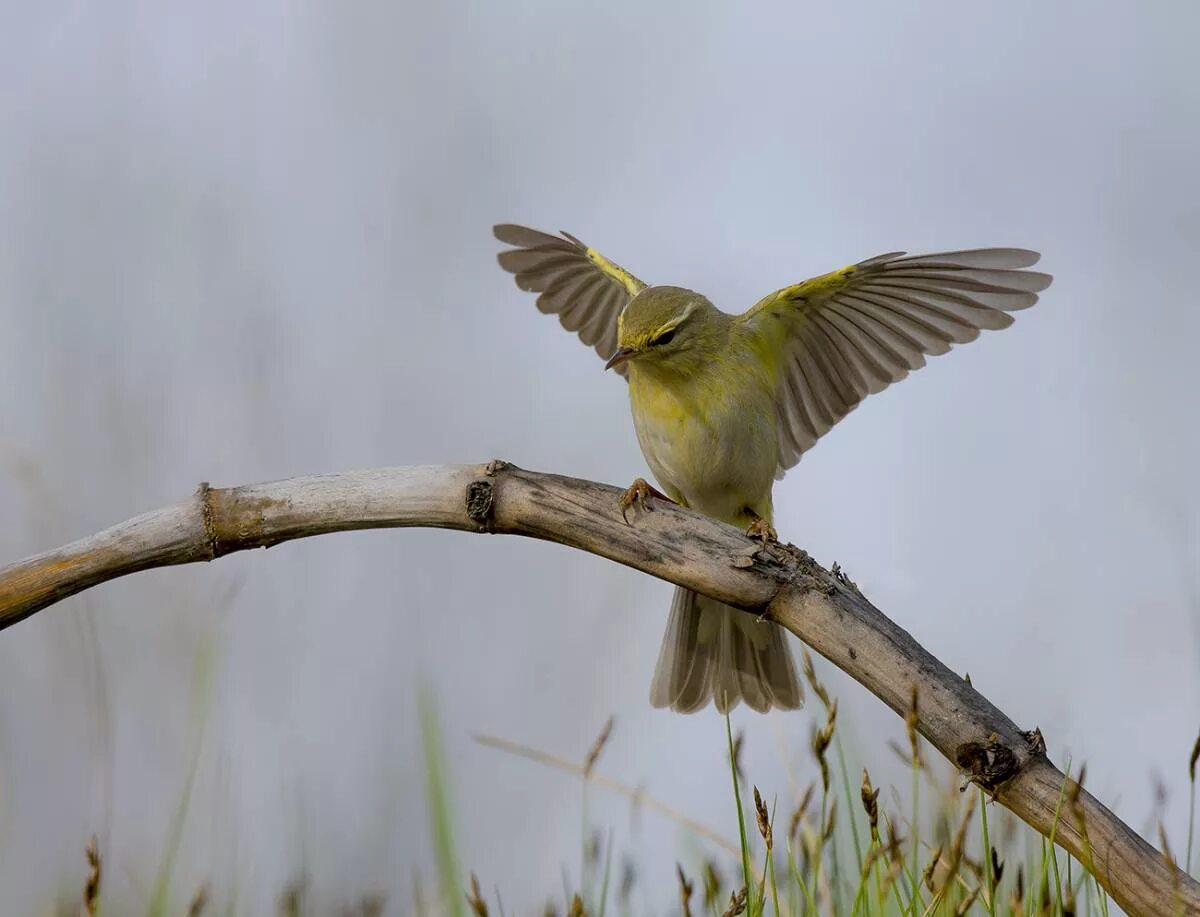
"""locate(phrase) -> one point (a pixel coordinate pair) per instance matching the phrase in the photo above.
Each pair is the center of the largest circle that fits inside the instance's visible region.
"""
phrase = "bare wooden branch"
(821, 607)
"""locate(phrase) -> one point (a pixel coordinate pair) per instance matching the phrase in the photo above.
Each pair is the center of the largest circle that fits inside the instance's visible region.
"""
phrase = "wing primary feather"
(976, 257)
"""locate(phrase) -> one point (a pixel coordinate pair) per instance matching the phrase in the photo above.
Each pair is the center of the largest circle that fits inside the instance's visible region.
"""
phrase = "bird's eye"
(664, 338)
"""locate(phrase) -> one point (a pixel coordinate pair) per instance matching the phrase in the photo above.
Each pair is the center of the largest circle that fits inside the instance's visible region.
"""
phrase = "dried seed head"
(199, 901)
(628, 879)
(801, 809)
(893, 871)
(894, 844)
(475, 899)
(870, 801)
(1193, 759)
(712, 884)
(737, 903)
(91, 887)
(935, 860)
(737, 755)
(593, 754)
(1068, 907)
(997, 870)
(810, 673)
(911, 719)
(593, 847)
(1075, 804)
(830, 819)
(967, 902)
(685, 892)
(764, 822)
(577, 908)
(1169, 858)
(820, 743)
(1016, 900)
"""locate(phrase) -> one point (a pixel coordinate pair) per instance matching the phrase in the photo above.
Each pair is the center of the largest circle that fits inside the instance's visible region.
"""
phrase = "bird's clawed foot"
(760, 528)
(638, 494)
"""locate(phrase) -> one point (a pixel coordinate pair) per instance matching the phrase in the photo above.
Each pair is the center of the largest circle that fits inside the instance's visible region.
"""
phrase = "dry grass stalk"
(636, 794)
(91, 886)
(685, 892)
(1193, 759)
(577, 908)
(593, 754)
(475, 899)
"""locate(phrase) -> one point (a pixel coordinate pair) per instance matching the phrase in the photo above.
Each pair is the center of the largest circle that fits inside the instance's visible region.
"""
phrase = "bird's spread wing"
(583, 288)
(844, 335)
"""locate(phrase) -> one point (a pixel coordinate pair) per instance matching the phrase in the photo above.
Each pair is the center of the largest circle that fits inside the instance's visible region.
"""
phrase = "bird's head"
(663, 326)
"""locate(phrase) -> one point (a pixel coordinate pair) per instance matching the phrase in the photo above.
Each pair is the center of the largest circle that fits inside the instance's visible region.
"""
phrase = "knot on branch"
(988, 763)
(481, 499)
(208, 520)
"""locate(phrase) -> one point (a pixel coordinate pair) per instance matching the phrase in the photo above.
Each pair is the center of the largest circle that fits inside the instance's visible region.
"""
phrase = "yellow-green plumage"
(724, 404)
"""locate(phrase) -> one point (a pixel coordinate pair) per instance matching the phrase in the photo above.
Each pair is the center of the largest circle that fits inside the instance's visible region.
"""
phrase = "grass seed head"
(593, 754)
(967, 902)
(810, 674)
(199, 901)
(91, 886)
(931, 867)
(475, 899)
(685, 892)
(1016, 899)
(764, 821)
(820, 743)
(911, 719)
(577, 908)
(870, 801)
(1193, 759)
(737, 903)
(712, 884)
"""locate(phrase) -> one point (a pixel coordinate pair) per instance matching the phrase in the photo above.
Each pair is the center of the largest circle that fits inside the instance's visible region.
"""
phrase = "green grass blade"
(441, 823)
(747, 869)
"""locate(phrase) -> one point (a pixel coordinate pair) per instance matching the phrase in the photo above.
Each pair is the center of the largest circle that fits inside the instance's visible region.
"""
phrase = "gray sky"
(253, 241)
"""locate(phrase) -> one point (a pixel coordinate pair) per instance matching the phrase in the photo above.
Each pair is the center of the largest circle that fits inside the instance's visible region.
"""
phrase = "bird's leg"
(761, 528)
(639, 492)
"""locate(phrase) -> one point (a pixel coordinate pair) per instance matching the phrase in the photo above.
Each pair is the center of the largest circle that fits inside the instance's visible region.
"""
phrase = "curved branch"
(822, 608)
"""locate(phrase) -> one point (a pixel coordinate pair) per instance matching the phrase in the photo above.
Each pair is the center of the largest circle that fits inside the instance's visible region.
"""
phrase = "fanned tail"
(716, 652)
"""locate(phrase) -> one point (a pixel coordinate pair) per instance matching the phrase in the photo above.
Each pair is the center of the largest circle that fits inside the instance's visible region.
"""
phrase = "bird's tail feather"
(715, 652)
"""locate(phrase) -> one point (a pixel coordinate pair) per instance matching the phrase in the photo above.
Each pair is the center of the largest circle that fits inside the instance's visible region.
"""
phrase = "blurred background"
(244, 242)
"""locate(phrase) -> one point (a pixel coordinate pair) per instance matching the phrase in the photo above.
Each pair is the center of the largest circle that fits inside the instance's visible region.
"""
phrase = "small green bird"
(724, 404)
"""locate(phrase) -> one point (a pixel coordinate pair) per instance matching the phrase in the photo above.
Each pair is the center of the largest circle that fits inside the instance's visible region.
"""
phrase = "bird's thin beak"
(619, 357)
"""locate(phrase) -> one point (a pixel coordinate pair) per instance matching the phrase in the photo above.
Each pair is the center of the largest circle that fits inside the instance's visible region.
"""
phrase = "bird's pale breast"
(714, 446)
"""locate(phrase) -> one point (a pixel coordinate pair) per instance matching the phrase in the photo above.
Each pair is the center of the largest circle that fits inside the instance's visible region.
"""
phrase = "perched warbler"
(724, 404)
